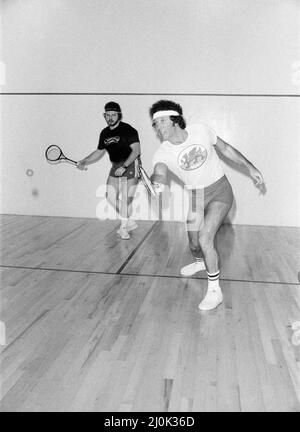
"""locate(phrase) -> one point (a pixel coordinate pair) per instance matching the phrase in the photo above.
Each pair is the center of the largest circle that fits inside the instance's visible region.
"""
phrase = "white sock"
(213, 296)
(213, 281)
(214, 286)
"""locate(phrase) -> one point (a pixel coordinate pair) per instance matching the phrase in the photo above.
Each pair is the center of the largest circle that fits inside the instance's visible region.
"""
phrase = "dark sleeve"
(132, 135)
(101, 145)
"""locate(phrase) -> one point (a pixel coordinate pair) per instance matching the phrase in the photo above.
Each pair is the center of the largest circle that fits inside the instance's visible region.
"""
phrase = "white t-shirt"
(195, 161)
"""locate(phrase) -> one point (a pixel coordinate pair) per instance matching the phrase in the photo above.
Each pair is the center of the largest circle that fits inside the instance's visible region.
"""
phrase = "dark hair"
(166, 105)
(113, 106)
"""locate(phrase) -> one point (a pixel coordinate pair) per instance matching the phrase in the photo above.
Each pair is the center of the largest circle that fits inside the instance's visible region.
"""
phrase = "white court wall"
(165, 46)
(140, 46)
(263, 129)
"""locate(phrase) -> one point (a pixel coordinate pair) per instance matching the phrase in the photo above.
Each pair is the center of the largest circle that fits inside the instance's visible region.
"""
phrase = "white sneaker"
(123, 233)
(131, 225)
(211, 300)
(192, 268)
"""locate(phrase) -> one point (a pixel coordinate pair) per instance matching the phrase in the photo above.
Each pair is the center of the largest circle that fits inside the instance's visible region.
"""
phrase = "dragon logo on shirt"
(111, 140)
(192, 157)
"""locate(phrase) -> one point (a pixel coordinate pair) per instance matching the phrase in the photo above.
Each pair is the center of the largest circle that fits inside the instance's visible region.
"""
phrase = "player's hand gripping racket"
(55, 154)
(150, 187)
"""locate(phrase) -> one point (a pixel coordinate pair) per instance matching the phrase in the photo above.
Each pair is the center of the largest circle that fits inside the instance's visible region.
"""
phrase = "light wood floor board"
(68, 243)
(249, 253)
(84, 338)
(104, 342)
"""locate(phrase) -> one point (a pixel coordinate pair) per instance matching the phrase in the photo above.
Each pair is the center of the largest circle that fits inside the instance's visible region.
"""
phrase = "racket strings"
(53, 153)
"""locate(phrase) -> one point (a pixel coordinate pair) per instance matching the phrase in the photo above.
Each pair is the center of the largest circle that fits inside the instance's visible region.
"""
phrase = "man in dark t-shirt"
(121, 142)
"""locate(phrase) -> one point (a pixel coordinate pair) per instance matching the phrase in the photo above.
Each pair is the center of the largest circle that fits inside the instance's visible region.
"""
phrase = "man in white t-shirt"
(190, 153)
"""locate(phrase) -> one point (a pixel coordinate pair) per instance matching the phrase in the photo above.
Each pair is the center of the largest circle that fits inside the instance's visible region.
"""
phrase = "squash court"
(94, 322)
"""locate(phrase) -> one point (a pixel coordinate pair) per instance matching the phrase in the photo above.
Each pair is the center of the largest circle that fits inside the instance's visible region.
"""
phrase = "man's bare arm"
(91, 158)
(233, 154)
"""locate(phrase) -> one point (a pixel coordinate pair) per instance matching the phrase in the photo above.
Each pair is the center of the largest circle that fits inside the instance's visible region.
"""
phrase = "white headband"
(165, 113)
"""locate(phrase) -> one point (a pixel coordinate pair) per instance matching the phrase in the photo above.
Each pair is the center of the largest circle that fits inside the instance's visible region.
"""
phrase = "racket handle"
(85, 168)
(75, 163)
(71, 160)
(158, 187)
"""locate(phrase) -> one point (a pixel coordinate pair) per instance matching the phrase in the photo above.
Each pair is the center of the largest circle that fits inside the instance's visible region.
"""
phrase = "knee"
(194, 248)
(194, 245)
(111, 197)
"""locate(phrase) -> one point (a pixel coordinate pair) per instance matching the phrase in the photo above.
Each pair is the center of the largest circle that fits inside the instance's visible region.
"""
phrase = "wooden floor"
(95, 323)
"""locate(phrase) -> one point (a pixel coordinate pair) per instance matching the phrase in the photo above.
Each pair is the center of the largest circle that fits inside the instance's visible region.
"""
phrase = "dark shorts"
(220, 191)
(130, 173)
